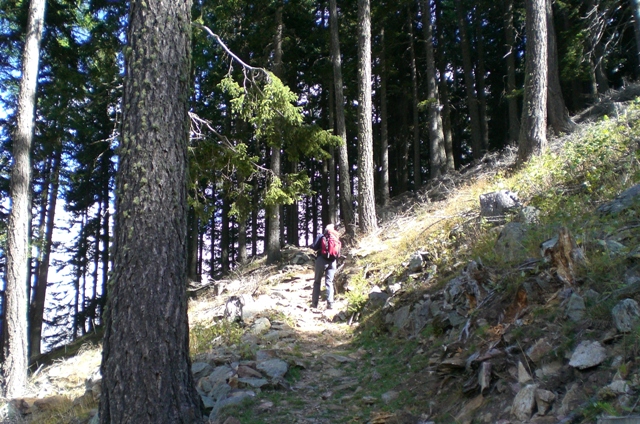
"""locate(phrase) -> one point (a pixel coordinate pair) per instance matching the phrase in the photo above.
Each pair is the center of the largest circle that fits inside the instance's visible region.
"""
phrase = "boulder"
(576, 308)
(623, 201)
(626, 315)
(588, 354)
(524, 403)
(498, 203)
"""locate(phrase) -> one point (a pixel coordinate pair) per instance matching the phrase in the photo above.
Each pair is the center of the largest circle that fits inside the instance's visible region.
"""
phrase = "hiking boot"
(329, 305)
(314, 305)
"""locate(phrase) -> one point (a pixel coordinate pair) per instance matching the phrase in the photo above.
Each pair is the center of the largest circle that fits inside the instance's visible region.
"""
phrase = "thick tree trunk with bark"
(444, 94)
(146, 367)
(272, 212)
(14, 349)
(635, 5)
(533, 139)
(417, 165)
(346, 197)
(480, 75)
(37, 307)
(557, 112)
(472, 100)
(512, 100)
(225, 236)
(384, 126)
(437, 152)
(366, 191)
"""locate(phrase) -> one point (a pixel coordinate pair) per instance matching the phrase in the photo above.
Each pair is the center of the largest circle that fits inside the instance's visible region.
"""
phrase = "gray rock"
(575, 308)
(626, 315)
(274, 367)
(524, 402)
(401, 317)
(220, 391)
(208, 402)
(389, 396)
(510, 241)
(529, 215)
(253, 382)
(544, 400)
(200, 369)
(574, 396)
(260, 325)
(237, 399)
(523, 375)
(588, 354)
(498, 203)
(539, 350)
(377, 297)
(484, 376)
(220, 375)
(624, 200)
(415, 263)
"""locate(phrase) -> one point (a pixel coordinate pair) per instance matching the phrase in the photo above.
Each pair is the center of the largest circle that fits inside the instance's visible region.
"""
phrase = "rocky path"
(324, 368)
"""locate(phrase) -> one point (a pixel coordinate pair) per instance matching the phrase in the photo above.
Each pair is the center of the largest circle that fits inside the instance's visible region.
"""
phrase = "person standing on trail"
(328, 247)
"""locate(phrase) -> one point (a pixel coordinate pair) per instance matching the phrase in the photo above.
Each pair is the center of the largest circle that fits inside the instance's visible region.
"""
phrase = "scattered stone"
(415, 263)
(389, 396)
(523, 375)
(544, 400)
(549, 370)
(498, 203)
(509, 244)
(524, 402)
(529, 215)
(588, 354)
(484, 376)
(626, 315)
(575, 308)
(623, 201)
(274, 367)
(572, 399)
(467, 413)
(539, 350)
(200, 369)
(260, 326)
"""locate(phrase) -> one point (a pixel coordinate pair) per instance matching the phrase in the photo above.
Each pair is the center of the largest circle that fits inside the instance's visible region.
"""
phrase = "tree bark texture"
(557, 112)
(273, 211)
(146, 366)
(444, 93)
(512, 100)
(437, 152)
(480, 75)
(472, 100)
(533, 139)
(37, 307)
(384, 125)
(635, 5)
(417, 165)
(15, 349)
(344, 179)
(366, 192)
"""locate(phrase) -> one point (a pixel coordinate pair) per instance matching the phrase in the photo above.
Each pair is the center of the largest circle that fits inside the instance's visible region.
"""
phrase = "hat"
(329, 227)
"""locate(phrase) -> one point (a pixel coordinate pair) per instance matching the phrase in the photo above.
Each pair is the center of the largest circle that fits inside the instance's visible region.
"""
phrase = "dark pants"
(327, 268)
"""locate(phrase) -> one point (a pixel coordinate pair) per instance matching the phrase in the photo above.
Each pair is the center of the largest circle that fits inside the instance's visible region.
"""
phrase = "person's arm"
(318, 243)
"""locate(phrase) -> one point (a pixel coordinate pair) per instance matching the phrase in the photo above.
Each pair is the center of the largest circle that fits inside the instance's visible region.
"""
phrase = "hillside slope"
(465, 307)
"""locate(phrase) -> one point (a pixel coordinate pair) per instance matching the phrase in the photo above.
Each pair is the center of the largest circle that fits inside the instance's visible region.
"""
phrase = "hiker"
(327, 246)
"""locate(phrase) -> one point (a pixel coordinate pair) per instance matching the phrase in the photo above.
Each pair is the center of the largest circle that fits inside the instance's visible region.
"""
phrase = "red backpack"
(331, 246)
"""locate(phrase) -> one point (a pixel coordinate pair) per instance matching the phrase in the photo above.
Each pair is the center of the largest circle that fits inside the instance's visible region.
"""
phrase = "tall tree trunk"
(480, 75)
(225, 228)
(533, 139)
(444, 93)
(333, 195)
(346, 196)
(37, 307)
(272, 212)
(417, 165)
(635, 5)
(472, 100)
(366, 194)
(437, 151)
(192, 245)
(146, 367)
(255, 224)
(557, 112)
(512, 100)
(15, 349)
(384, 125)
